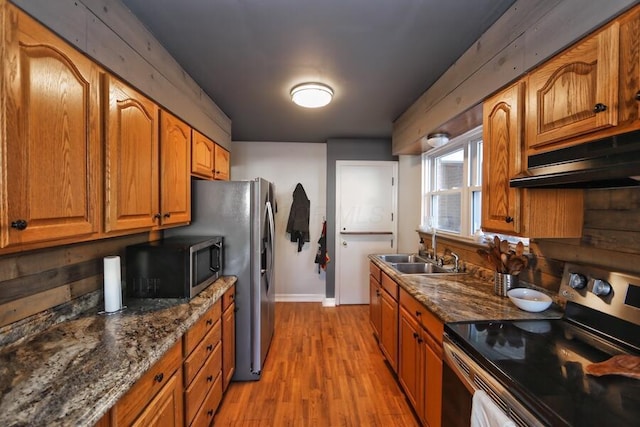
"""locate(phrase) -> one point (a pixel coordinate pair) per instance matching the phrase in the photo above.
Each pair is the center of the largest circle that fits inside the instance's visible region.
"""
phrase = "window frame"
(471, 144)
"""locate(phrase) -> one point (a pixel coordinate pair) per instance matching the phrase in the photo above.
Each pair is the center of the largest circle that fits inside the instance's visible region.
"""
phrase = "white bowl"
(529, 299)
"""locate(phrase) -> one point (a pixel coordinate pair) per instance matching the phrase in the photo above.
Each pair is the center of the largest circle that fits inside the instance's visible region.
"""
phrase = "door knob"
(599, 108)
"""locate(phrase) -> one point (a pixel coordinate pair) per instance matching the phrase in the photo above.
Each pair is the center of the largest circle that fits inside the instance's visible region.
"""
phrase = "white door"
(366, 214)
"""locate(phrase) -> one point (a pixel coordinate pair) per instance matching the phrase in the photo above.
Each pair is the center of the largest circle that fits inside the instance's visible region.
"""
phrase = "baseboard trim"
(329, 302)
(299, 298)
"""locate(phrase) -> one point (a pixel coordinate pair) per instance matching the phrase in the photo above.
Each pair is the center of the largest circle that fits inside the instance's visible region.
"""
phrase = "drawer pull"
(210, 378)
(418, 313)
(210, 347)
(210, 412)
(158, 378)
(415, 335)
(209, 322)
(20, 224)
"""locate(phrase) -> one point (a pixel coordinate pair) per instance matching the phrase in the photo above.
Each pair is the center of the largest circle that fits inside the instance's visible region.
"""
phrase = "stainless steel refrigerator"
(243, 213)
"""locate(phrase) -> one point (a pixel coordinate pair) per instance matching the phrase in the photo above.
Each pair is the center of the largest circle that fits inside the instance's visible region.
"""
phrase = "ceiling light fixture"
(311, 95)
(437, 139)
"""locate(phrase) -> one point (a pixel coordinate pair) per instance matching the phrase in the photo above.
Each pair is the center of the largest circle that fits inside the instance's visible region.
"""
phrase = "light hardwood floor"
(324, 368)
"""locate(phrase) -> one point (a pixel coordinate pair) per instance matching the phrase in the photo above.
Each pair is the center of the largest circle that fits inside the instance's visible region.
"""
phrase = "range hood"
(605, 163)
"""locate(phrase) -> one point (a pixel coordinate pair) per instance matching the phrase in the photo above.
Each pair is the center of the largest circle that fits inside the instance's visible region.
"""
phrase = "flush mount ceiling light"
(437, 139)
(311, 95)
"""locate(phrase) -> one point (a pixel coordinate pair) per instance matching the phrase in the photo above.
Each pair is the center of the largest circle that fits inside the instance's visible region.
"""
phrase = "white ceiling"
(379, 56)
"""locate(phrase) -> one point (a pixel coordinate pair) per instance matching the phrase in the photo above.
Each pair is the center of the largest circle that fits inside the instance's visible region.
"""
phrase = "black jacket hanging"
(298, 223)
(322, 258)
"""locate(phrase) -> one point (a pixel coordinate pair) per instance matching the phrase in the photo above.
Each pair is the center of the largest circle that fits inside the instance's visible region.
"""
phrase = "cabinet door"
(51, 165)
(576, 92)
(629, 97)
(165, 410)
(228, 345)
(502, 158)
(432, 381)
(410, 360)
(389, 330)
(221, 163)
(132, 184)
(175, 165)
(202, 156)
(374, 306)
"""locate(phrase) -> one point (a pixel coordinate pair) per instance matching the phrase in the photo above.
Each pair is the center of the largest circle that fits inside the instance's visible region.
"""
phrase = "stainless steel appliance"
(242, 212)
(174, 267)
(535, 369)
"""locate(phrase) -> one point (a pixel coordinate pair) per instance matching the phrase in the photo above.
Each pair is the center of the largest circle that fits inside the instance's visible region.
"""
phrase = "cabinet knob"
(420, 340)
(20, 224)
(167, 215)
(158, 378)
(210, 378)
(210, 412)
(210, 347)
(599, 108)
(638, 95)
(209, 322)
(418, 313)
(508, 219)
(156, 216)
(415, 335)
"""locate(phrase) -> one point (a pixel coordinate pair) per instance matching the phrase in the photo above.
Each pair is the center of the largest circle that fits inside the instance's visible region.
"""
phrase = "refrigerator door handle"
(271, 241)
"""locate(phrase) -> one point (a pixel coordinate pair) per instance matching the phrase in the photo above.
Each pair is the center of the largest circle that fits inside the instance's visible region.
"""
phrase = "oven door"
(461, 377)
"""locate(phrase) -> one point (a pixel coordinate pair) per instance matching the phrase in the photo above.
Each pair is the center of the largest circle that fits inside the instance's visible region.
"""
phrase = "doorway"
(366, 223)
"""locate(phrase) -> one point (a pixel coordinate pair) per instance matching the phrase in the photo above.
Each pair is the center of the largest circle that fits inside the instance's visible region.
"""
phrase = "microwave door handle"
(215, 264)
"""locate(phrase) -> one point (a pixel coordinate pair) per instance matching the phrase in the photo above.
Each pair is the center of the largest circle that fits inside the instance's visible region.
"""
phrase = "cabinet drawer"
(375, 271)
(228, 298)
(197, 358)
(202, 383)
(143, 391)
(201, 328)
(427, 319)
(390, 286)
(204, 416)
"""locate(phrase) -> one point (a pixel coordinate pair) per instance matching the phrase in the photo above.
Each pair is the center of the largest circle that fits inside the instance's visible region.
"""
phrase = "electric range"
(541, 363)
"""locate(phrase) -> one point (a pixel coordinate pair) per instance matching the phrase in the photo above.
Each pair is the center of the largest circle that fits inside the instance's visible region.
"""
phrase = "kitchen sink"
(403, 258)
(419, 268)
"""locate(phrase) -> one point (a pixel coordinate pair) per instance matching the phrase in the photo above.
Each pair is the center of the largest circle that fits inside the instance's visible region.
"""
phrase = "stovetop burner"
(542, 362)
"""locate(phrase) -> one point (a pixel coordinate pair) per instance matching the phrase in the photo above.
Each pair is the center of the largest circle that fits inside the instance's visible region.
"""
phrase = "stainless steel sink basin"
(404, 258)
(419, 268)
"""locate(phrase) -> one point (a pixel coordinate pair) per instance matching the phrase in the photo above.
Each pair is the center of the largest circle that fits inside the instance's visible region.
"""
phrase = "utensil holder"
(502, 282)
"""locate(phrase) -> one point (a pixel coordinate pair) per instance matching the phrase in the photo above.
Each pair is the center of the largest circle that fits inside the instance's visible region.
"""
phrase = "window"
(452, 186)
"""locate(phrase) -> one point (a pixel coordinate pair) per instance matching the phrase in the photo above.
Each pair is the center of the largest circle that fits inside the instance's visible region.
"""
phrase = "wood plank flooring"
(324, 368)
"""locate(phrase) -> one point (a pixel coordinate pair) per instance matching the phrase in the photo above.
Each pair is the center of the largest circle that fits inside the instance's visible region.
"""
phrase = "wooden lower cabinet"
(228, 336)
(389, 321)
(420, 359)
(375, 295)
(158, 392)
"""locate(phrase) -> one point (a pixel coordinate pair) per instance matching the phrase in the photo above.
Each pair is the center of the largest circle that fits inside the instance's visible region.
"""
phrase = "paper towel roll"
(112, 285)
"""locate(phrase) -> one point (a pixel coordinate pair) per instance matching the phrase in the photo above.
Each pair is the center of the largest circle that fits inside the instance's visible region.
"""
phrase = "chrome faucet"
(456, 261)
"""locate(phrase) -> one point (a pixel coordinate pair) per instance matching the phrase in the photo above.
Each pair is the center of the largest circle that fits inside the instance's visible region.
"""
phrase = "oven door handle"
(459, 363)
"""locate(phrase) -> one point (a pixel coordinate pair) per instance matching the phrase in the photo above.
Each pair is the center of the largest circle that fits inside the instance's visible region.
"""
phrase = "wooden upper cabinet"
(522, 212)
(202, 156)
(629, 93)
(131, 175)
(576, 92)
(221, 163)
(51, 162)
(502, 158)
(175, 162)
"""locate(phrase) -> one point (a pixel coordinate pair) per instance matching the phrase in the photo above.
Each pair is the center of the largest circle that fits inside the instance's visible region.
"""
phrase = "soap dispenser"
(421, 249)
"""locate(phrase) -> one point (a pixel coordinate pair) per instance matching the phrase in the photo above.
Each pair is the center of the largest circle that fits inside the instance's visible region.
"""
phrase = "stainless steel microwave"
(175, 267)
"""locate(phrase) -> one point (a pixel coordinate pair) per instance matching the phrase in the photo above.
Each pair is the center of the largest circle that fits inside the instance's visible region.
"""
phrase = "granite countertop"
(72, 373)
(461, 297)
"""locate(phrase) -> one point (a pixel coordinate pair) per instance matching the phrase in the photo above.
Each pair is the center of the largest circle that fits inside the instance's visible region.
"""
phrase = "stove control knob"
(577, 281)
(601, 288)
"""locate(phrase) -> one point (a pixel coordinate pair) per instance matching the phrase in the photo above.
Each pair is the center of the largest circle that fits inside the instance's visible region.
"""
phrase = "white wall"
(287, 164)
(409, 202)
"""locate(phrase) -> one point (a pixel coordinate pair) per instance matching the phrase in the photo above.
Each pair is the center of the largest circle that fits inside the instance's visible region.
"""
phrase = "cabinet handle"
(20, 224)
(157, 216)
(420, 340)
(599, 108)
(508, 219)
(210, 347)
(638, 95)
(167, 215)
(415, 335)
(418, 313)
(158, 378)
(210, 378)
(210, 412)
(209, 322)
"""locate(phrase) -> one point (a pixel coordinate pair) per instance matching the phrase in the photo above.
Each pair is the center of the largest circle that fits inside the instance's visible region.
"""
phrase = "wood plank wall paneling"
(35, 281)
(610, 238)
